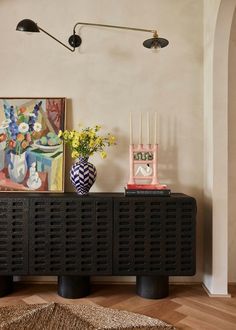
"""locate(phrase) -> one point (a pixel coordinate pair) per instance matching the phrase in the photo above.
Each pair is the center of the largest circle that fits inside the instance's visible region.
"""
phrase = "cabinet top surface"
(90, 195)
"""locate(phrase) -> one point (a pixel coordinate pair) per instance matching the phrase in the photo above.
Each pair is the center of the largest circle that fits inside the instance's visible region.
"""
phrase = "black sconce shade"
(155, 43)
(27, 25)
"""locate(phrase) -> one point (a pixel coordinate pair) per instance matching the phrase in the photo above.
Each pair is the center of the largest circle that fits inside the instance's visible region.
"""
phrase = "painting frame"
(32, 156)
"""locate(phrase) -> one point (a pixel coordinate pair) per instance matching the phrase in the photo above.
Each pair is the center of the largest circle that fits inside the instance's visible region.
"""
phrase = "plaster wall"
(112, 74)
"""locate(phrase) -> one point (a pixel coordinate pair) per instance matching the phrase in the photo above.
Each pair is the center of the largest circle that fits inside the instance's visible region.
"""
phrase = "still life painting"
(31, 153)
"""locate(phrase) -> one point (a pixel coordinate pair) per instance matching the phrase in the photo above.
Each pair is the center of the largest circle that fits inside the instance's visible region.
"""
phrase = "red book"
(147, 186)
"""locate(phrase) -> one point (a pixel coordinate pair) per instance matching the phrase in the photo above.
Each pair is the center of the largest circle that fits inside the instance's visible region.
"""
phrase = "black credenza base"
(152, 287)
(73, 287)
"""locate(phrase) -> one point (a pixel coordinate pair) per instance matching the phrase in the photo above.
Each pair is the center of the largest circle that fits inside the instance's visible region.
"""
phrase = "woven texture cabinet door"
(70, 236)
(154, 235)
(13, 236)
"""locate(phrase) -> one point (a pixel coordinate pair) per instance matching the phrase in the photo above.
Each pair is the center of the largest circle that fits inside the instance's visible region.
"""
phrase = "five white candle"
(140, 128)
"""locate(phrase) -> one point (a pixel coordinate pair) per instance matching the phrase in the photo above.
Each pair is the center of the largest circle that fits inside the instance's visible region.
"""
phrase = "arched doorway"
(216, 148)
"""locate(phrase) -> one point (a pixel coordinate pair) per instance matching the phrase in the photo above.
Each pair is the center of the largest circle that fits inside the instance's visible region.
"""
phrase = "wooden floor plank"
(209, 309)
(193, 323)
(187, 306)
(207, 318)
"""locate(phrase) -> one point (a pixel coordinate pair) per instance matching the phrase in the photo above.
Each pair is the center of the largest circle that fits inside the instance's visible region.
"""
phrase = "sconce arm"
(60, 42)
(114, 27)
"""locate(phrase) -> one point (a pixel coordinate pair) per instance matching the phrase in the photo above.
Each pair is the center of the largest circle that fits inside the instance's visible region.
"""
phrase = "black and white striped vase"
(83, 175)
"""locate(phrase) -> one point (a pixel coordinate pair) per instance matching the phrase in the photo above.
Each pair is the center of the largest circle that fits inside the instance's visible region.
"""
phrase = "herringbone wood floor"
(187, 307)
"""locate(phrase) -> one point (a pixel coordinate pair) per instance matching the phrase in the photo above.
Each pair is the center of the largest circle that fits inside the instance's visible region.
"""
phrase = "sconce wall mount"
(27, 25)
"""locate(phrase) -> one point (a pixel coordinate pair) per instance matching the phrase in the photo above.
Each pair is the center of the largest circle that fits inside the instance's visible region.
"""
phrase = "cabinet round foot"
(152, 287)
(73, 287)
(6, 285)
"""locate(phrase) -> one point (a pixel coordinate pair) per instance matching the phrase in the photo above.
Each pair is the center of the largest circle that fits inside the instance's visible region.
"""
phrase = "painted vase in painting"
(17, 167)
(83, 175)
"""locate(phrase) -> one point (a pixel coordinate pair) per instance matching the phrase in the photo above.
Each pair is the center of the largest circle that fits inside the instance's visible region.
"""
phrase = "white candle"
(155, 128)
(140, 129)
(148, 129)
(130, 128)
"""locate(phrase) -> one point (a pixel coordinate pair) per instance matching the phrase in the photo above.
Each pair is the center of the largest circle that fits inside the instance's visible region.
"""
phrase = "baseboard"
(213, 295)
(53, 280)
(112, 280)
(105, 280)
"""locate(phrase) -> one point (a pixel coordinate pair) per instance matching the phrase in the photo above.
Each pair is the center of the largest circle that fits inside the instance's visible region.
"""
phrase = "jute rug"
(55, 316)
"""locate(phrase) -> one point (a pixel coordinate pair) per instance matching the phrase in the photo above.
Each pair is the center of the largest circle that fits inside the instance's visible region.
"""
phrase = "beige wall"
(232, 154)
(112, 75)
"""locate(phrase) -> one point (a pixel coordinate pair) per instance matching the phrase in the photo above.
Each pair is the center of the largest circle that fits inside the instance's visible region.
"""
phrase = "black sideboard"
(75, 237)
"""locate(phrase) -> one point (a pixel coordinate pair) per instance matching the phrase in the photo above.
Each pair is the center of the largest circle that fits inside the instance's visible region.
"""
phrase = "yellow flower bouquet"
(87, 141)
(82, 145)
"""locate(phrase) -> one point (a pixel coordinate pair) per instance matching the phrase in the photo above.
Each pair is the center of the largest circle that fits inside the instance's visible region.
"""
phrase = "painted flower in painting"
(87, 141)
(37, 127)
(20, 127)
(23, 127)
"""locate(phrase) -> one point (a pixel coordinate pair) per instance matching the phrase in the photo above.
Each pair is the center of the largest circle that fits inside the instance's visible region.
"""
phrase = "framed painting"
(31, 153)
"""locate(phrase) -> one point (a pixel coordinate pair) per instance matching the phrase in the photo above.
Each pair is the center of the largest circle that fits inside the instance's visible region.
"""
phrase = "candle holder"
(144, 161)
(143, 167)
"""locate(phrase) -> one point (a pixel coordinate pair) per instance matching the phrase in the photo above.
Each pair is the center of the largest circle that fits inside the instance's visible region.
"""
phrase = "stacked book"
(147, 190)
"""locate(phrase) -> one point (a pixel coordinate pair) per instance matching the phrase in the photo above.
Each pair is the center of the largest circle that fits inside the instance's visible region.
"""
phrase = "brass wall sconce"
(27, 25)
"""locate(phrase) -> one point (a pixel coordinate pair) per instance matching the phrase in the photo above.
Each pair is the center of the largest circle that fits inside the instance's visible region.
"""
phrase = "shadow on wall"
(168, 157)
(111, 175)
